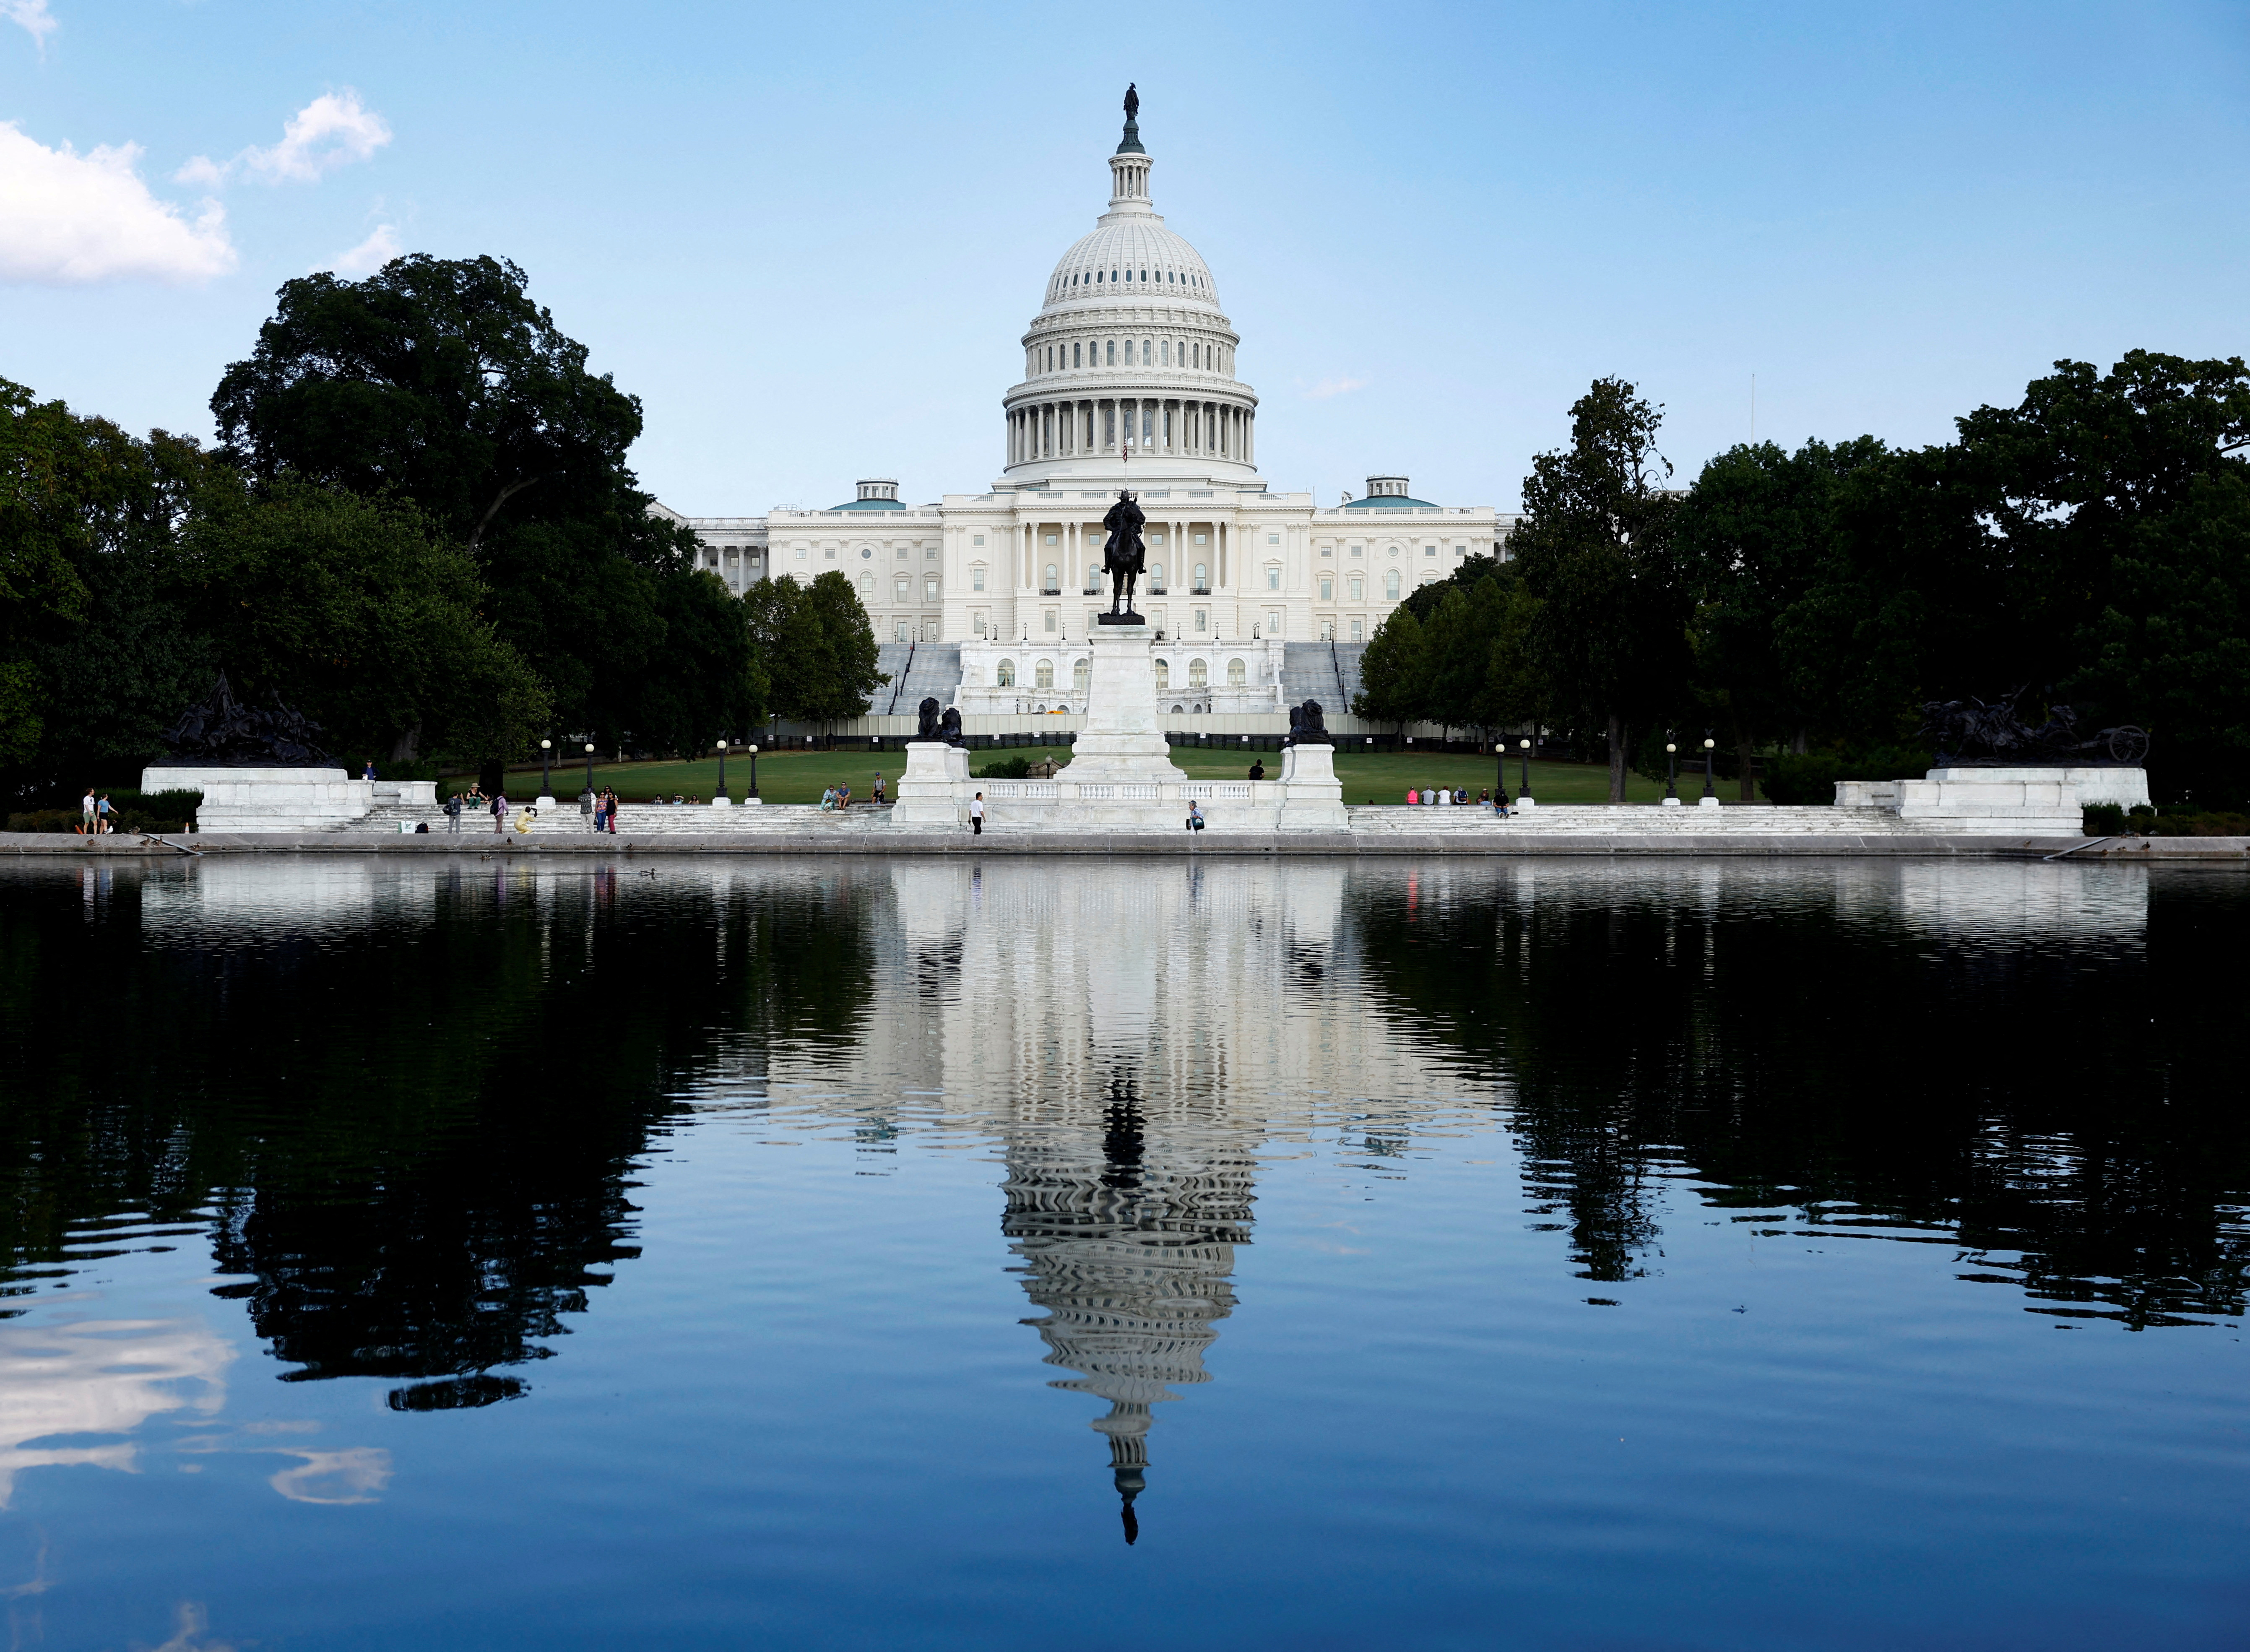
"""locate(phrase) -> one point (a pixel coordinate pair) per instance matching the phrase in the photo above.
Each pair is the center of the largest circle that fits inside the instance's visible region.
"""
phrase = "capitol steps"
(1632, 819)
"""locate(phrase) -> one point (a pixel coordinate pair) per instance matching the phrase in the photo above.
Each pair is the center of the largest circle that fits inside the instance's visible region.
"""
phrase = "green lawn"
(800, 777)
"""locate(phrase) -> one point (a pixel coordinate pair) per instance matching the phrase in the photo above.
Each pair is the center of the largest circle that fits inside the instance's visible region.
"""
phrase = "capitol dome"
(1132, 257)
(1129, 367)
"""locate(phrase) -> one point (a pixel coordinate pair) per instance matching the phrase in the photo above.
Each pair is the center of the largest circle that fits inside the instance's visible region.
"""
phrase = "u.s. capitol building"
(986, 599)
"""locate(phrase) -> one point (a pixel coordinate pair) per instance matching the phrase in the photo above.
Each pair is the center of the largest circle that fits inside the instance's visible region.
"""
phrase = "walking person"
(976, 816)
(105, 817)
(500, 812)
(85, 812)
(453, 814)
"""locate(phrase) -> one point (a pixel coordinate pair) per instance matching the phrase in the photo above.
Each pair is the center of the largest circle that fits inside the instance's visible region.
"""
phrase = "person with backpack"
(453, 813)
(1195, 815)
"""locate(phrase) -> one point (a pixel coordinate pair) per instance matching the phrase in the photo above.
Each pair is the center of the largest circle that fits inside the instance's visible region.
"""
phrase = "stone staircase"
(1311, 670)
(1635, 819)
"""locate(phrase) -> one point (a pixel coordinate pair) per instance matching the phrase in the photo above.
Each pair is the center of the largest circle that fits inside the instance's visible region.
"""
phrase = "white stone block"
(933, 790)
(1672, 803)
(1706, 803)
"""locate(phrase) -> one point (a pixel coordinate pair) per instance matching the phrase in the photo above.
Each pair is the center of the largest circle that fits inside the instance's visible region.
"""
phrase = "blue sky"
(809, 238)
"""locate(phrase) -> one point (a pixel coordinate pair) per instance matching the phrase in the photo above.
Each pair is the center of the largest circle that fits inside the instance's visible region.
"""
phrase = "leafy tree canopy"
(435, 379)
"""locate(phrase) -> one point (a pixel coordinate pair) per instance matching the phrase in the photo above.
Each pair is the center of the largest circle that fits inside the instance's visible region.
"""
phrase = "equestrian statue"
(1124, 558)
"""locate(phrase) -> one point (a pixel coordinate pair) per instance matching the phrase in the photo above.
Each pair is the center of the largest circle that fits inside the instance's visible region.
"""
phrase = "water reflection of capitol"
(1137, 1038)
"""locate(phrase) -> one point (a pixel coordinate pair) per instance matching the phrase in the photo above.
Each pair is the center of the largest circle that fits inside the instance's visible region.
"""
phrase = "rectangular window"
(979, 540)
(1358, 550)
(980, 624)
(977, 579)
(1048, 622)
(832, 553)
(1429, 550)
(1328, 551)
(1354, 630)
(1460, 550)
(1199, 539)
(1052, 538)
(1203, 619)
(1327, 590)
(1272, 539)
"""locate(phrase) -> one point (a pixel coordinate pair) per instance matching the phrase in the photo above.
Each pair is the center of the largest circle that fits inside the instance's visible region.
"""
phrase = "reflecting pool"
(889, 1253)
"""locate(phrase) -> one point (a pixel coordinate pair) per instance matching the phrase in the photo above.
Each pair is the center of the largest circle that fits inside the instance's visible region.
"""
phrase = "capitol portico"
(1129, 381)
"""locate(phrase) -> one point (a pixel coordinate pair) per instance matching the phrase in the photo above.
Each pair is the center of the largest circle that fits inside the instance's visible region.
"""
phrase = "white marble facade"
(1128, 379)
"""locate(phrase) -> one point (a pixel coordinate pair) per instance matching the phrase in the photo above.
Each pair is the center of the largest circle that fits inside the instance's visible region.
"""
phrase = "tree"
(1752, 540)
(1595, 548)
(440, 380)
(688, 710)
(844, 677)
(1513, 694)
(1394, 672)
(436, 378)
(353, 611)
(95, 660)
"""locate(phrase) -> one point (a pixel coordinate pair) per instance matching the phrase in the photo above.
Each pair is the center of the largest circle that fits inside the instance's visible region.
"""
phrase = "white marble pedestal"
(267, 799)
(933, 789)
(1312, 797)
(1122, 742)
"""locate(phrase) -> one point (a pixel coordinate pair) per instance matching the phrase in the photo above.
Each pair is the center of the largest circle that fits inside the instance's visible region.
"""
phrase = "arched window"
(930, 588)
(1327, 589)
(1163, 677)
(867, 590)
(1202, 576)
(1357, 587)
(1156, 577)
(1113, 353)
(1007, 677)
(1046, 678)
(1165, 353)
(976, 577)
(1147, 352)
(1079, 675)
(1075, 350)
(1199, 675)
(1390, 584)
(1054, 579)
(1237, 674)
(1273, 576)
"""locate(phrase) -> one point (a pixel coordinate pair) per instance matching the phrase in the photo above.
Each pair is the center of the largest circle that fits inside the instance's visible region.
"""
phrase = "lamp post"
(1709, 790)
(547, 768)
(1671, 772)
(589, 765)
(1524, 790)
(753, 751)
(720, 798)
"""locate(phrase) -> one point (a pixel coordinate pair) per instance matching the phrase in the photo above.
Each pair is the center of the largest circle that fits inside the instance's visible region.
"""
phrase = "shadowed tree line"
(1786, 1057)
(2089, 546)
(418, 527)
(427, 1187)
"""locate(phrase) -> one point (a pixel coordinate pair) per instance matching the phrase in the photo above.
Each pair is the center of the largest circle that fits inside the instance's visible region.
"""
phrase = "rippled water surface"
(895, 1255)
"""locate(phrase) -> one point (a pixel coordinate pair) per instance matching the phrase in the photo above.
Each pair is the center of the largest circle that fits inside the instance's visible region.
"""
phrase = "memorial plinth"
(1122, 742)
(933, 791)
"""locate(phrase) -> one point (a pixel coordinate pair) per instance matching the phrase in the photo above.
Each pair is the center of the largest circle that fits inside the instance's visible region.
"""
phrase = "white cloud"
(1328, 387)
(334, 129)
(68, 218)
(369, 255)
(31, 16)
